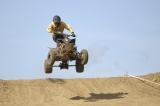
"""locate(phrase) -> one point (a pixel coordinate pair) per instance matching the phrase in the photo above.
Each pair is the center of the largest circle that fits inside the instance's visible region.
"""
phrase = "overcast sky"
(120, 35)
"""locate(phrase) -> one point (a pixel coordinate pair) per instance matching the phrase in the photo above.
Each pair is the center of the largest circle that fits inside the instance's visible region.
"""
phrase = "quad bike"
(66, 51)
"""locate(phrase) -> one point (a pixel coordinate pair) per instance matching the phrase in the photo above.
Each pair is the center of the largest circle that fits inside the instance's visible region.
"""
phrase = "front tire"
(84, 56)
(51, 57)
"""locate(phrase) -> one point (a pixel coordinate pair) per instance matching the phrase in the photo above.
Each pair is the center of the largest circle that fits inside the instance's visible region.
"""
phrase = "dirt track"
(119, 91)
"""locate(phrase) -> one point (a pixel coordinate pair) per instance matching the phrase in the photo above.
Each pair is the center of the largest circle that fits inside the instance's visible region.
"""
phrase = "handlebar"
(64, 34)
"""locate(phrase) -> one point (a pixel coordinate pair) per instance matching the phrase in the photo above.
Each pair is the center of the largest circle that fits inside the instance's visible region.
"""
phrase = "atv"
(66, 51)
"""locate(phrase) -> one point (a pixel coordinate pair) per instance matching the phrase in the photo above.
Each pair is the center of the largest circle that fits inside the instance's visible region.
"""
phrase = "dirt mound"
(118, 91)
(153, 77)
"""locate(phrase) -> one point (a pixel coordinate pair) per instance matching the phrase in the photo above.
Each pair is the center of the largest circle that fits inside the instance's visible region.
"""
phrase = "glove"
(73, 34)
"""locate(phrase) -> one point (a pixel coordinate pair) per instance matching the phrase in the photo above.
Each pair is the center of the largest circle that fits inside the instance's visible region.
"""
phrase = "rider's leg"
(54, 38)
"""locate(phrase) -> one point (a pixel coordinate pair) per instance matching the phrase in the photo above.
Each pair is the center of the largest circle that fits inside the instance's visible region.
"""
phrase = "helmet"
(57, 19)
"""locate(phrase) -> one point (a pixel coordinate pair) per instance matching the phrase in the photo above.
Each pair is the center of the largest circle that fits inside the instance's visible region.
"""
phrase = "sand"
(117, 91)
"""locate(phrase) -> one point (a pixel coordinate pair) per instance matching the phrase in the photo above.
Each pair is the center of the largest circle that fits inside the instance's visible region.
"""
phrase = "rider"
(58, 26)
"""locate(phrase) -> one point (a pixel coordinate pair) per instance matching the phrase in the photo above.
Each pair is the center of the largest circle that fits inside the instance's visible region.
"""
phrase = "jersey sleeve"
(50, 28)
(68, 27)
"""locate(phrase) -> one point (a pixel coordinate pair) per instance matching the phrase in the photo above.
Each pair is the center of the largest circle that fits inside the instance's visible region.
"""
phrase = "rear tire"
(47, 67)
(84, 56)
(79, 66)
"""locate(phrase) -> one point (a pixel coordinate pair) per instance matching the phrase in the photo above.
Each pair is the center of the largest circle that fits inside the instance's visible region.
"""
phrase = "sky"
(120, 35)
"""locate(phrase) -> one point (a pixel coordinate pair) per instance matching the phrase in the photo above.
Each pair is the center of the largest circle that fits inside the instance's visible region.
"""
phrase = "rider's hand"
(73, 34)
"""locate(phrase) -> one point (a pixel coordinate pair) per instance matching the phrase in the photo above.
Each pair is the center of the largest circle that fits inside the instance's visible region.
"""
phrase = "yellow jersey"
(53, 29)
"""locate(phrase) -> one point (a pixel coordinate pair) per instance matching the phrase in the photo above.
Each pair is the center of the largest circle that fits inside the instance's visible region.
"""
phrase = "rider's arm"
(50, 28)
(68, 27)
